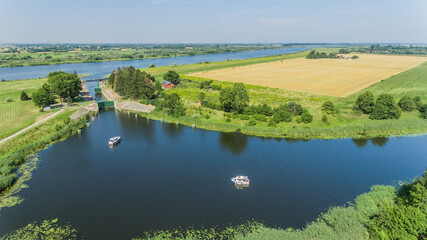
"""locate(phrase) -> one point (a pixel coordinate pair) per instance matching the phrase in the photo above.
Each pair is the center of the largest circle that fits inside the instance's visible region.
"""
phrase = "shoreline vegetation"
(37, 55)
(385, 212)
(17, 151)
(200, 98)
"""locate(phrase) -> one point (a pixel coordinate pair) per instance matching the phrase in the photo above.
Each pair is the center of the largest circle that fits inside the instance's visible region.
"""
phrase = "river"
(164, 175)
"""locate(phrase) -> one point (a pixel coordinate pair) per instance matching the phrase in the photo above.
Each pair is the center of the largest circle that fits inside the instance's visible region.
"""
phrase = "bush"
(216, 87)
(260, 118)
(328, 107)
(252, 122)
(385, 108)
(325, 119)
(282, 116)
(294, 108)
(406, 104)
(418, 103)
(228, 120)
(174, 105)
(234, 98)
(24, 96)
(365, 102)
(8, 99)
(243, 117)
(306, 117)
(423, 111)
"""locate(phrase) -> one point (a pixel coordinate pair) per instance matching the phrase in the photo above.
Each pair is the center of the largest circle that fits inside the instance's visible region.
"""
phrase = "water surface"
(164, 176)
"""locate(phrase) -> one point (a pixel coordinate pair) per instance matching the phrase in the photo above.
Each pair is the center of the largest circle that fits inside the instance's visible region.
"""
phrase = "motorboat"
(241, 182)
(114, 141)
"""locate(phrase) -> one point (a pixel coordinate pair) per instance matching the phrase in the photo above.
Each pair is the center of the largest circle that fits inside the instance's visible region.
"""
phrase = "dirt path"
(31, 126)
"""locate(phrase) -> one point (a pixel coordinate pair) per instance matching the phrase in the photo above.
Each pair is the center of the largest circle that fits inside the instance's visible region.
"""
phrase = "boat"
(114, 140)
(241, 182)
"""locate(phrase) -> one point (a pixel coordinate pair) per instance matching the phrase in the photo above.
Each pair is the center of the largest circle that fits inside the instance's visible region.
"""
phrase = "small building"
(167, 84)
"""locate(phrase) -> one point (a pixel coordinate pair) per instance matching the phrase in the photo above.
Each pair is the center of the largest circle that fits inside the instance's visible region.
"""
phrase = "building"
(167, 84)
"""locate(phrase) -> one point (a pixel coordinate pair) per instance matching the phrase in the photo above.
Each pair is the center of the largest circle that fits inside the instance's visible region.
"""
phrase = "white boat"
(241, 181)
(113, 141)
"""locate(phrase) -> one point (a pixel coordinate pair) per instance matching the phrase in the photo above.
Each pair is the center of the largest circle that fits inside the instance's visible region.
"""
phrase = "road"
(31, 126)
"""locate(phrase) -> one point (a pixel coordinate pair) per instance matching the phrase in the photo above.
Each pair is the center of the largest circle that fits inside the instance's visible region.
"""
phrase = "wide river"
(164, 175)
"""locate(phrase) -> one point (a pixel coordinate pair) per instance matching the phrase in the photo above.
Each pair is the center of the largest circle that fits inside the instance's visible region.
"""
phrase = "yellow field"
(333, 77)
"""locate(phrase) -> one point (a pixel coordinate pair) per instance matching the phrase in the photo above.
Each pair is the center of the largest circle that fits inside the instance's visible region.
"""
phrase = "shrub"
(24, 96)
(227, 119)
(152, 65)
(282, 116)
(328, 107)
(9, 99)
(306, 117)
(418, 103)
(271, 122)
(406, 104)
(243, 117)
(252, 122)
(260, 118)
(385, 108)
(298, 119)
(423, 111)
(294, 108)
(174, 105)
(365, 102)
(325, 119)
(234, 98)
(216, 87)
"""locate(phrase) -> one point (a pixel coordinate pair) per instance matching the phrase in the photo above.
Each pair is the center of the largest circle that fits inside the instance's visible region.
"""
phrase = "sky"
(213, 21)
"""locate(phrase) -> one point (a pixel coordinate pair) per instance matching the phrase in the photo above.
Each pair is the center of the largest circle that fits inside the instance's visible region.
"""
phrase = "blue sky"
(212, 21)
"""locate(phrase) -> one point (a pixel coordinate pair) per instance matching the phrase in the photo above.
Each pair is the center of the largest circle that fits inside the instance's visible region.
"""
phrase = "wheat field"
(331, 77)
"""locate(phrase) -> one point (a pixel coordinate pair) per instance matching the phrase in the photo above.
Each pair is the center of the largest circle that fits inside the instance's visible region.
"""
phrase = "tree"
(172, 77)
(294, 108)
(406, 104)
(174, 105)
(328, 107)
(42, 97)
(24, 96)
(241, 97)
(226, 98)
(65, 85)
(385, 108)
(131, 82)
(365, 102)
(282, 116)
(306, 117)
(158, 87)
(234, 98)
(152, 65)
(111, 78)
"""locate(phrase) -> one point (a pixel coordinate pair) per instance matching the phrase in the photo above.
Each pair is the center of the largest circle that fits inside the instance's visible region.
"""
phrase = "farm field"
(331, 77)
(17, 114)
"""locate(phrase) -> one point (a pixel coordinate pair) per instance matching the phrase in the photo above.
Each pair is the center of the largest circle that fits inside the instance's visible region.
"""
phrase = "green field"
(18, 114)
(342, 125)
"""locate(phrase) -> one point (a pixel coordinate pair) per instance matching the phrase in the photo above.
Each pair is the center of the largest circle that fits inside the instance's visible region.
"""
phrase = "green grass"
(345, 124)
(18, 114)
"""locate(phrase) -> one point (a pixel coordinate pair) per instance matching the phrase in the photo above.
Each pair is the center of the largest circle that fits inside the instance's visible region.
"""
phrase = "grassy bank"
(344, 124)
(14, 113)
(17, 151)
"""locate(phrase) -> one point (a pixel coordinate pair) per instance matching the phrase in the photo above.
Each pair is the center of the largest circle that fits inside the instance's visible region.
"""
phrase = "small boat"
(241, 181)
(113, 141)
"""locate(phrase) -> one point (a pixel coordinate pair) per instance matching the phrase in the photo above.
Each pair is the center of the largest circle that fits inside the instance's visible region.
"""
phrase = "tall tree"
(65, 85)
(43, 97)
(172, 77)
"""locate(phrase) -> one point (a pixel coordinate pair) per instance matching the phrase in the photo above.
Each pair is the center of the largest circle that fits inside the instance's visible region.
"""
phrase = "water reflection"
(379, 141)
(233, 142)
(173, 129)
(360, 142)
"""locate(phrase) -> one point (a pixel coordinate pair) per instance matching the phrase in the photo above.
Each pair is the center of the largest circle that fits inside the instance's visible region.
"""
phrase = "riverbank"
(17, 150)
(21, 59)
(344, 123)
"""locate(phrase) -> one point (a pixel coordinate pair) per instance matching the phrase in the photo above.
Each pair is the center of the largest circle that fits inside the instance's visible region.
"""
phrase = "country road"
(31, 126)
